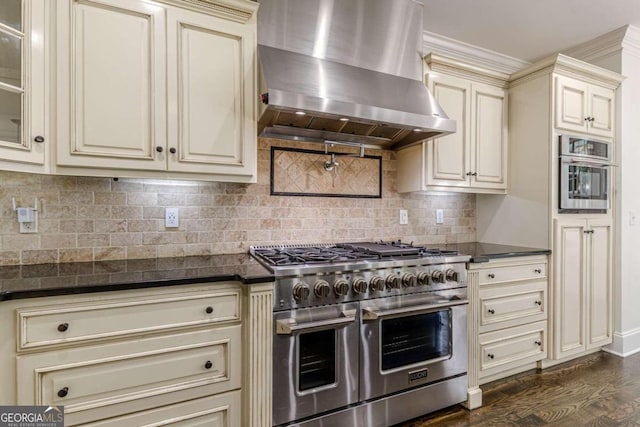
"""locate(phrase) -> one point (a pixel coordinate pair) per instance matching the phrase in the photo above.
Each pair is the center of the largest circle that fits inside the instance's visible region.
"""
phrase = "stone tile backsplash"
(86, 218)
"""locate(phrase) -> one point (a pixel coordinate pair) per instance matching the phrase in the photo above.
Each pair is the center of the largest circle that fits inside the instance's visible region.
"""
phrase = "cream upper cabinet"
(582, 313)
(214, 130)
(474, 158)
(23, 85)
(111, 84)
(584, 107)
(154, 89)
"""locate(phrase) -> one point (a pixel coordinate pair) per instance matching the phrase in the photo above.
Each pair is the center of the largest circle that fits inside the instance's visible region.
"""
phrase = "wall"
(85, 219)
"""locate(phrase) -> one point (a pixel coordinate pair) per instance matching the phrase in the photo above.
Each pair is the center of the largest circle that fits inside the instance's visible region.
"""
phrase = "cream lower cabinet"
(584, 107)
(582, 311)
(150, 89)
(508, 321)
(474, 158)
(164, 356)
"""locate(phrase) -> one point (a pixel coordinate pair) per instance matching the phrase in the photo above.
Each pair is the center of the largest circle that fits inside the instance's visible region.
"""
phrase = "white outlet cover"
(172, 218)
(439, 216)
(404, 217)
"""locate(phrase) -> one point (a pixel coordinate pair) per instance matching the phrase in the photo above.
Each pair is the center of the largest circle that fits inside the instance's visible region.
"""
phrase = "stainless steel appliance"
(366, 334)
(348, 71)
(585, 173)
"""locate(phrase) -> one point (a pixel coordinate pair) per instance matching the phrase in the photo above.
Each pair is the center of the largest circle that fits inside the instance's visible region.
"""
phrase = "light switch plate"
(439, 216)
(172, 218)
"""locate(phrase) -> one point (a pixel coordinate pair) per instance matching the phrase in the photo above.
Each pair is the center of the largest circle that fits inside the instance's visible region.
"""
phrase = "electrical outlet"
(439, 216)
(404, 217)
(29, 227)
(172, 218)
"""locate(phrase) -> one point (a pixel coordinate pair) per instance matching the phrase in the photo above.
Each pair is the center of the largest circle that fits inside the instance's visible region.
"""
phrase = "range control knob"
(409, 280)
(321, 289)
(341, 287)
(451, 275)
(392, 282)
(437, 276)
(377, 284)
(423, 278)
(301, 291)
(359, 286)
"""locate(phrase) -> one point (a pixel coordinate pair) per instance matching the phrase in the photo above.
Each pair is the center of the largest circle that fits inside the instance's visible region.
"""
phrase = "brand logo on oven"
(418, 375)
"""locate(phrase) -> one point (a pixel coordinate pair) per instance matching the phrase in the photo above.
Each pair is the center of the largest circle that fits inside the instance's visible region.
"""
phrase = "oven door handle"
(290, 326)
(372, 314)
(587, 163)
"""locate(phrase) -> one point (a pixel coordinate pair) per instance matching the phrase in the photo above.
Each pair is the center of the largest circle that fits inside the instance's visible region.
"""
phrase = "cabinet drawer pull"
(208, 365)
(491, 311)
(490, 356)
(63, 392)
(537, 270)
(62, 327)
(159, 149)
(209, 310)
(538, 302)
(173, 150)
(491, 276)
(39, 139)
(538, 343)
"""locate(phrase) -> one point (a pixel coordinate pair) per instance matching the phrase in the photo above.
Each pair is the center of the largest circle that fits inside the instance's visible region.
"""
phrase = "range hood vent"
(346, 71)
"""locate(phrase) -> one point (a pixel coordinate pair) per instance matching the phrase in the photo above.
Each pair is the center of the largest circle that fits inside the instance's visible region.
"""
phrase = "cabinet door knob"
(538, 343)
(62, 327)
(208, 364)
(63, 392)
(490, 356)
(209, 310)
(474, 174)
(468, 174)
(173, 150)
(159, 149)
(491, 276)
(39, 138)
(491, 311)
(537, 270)
(538, 302)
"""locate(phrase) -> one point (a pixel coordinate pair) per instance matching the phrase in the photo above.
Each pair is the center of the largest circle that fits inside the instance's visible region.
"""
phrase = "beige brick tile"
(21, 241)
(76, 198)
(167, 251)
(126, 212)
(142, 199)
(111, 225)
(42, 256)
(53, 241)
(94, 212)
(136, 225)
(77, 226)
(125, 239)
(76, 255)
(104, 254)
(138, 252)
(9, 257)
(93, 240)
(110, 198)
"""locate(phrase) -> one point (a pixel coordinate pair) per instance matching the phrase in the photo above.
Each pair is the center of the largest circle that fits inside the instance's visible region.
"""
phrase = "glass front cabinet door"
(23, 98)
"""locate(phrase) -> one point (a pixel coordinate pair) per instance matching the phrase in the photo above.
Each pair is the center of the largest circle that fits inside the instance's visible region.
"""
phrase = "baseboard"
(624, 343)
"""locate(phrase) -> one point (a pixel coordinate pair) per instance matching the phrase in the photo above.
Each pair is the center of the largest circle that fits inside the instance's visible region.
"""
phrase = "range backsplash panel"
(86, 219)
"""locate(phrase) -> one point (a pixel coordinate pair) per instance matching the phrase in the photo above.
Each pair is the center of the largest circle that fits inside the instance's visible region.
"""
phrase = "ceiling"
(525, 29)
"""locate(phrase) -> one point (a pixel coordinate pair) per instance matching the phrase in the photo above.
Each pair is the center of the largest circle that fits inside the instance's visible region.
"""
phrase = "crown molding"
(468, 53)
(625, 39)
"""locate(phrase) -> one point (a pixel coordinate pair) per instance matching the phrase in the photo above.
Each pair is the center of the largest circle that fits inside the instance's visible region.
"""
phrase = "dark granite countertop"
(483, 252)
(30, 281)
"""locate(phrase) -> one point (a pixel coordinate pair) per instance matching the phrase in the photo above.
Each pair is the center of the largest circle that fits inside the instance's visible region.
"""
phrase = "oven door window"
(317, 359)
(415, 339)
(587, 183)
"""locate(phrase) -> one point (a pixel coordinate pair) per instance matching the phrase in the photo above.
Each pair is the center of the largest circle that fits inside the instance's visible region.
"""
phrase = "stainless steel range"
(366, 334)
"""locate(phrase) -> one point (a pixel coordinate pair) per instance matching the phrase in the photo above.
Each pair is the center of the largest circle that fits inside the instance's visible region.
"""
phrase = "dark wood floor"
(596, 390)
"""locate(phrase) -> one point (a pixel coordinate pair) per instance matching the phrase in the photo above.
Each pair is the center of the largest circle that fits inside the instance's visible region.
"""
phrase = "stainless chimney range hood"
(346, 70)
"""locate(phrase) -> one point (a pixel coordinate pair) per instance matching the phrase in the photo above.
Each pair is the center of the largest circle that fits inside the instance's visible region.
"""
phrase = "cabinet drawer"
(512, 304)
(96, 382)
(512, 273)
(509, 348)
(69, 323)
(222, 410)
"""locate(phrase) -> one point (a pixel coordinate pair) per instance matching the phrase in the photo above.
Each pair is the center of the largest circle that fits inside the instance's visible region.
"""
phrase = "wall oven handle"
(587, 163)
(290, 326)
(371, 314)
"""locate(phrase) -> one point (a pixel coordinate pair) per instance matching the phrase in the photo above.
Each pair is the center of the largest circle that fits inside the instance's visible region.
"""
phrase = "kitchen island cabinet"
(191, 352)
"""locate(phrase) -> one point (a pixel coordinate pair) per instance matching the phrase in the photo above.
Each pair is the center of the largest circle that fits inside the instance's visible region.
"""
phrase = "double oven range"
(366, 334)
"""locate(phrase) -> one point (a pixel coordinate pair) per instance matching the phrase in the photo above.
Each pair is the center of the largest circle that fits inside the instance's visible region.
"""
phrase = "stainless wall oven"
(366, 334)
(584, 175)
